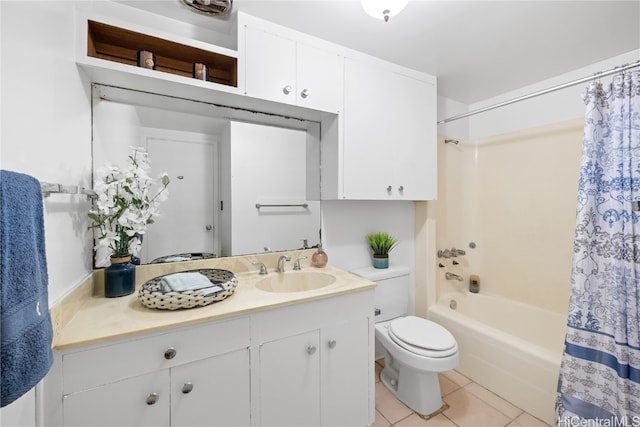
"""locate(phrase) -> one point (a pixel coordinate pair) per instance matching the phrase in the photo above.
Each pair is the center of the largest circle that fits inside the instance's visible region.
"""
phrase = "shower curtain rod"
(542, 92)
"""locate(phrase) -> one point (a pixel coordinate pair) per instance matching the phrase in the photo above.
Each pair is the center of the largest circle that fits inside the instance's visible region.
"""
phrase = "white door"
(270, 66)
(212, 392)
(318, 79)
(137, 401)
(187, 218)
(345, 372)
(290, 381)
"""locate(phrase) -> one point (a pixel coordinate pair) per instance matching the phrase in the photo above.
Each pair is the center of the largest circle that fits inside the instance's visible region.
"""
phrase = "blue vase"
(381, 261)
(119, 277)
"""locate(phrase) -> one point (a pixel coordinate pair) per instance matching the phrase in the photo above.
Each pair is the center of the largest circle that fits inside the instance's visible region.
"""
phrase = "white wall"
(555, 107)
(345, 225)
(46, 126)
(46, 133)
(268, 167)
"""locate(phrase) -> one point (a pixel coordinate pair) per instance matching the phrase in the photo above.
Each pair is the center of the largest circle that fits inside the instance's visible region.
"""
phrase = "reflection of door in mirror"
(187, 222)
(272, 167)
(276, 160)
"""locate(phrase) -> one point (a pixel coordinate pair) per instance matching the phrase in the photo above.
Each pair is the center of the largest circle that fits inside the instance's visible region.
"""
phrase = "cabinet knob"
(170, 353)
(305, 93)
(153, 398)
(311, 349)
(401, 188)
(389, 188)
(287, 89)
(187, 387)
(332, 343)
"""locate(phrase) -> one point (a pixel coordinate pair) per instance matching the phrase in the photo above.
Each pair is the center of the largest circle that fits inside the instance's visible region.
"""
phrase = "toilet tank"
(392, 292)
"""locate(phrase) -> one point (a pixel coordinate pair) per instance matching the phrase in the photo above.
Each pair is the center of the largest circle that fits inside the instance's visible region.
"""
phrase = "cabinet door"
(368, 144)
(415, 163)
(389, 135)
(318, 78)
(270, 66)
(212, 392)
(290, 381)
(345, 373)
(124, 403)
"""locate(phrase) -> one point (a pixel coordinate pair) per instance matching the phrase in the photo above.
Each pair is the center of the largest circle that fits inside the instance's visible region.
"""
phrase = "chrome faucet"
(263, 268)
(281, 260)
(296, 265)
(450, 276)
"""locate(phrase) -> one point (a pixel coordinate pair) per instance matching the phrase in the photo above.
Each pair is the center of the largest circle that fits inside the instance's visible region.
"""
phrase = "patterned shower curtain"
(599, 381)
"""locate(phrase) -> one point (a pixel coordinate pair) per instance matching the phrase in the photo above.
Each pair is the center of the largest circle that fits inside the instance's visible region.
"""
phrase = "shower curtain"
(599, 380)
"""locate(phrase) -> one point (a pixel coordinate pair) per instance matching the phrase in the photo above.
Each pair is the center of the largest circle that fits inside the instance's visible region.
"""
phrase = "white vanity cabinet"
(196, 375)
(387, 146)
(316, 362)
(285, 70)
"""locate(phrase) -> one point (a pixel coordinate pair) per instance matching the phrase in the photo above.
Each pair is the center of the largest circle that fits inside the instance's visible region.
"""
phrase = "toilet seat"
(422, 336)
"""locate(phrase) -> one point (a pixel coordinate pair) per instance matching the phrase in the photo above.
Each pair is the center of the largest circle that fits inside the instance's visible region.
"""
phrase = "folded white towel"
(187, 281)
(177, 259)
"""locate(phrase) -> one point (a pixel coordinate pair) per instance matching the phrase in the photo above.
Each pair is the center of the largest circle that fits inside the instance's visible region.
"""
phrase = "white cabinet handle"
(170, 353)
(187, 387)
(332, 343)
(287, 89)
(311, 349)
(153, 398)
(305, 93)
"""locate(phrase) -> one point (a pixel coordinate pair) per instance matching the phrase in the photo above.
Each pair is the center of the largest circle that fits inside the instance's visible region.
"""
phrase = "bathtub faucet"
(453, 252)
(456, 252)
(451, 276)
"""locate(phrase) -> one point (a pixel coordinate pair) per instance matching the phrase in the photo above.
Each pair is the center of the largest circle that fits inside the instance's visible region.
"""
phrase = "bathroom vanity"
(257, 358)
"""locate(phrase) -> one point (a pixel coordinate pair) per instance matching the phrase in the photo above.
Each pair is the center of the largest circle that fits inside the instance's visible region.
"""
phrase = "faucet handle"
(296, 265)
(263, 268)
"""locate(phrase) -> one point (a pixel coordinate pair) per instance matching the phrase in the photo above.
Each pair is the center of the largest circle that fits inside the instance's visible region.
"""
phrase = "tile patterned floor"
(470, 405)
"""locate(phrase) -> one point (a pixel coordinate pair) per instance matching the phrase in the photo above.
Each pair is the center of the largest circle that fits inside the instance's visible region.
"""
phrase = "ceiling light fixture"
(383, 9)
(220, 8)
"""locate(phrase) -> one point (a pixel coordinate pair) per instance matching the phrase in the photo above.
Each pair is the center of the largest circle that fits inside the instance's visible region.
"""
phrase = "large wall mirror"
(242, 181)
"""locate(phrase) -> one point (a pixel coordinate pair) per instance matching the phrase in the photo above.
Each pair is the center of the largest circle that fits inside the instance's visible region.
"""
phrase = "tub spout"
(452, 276)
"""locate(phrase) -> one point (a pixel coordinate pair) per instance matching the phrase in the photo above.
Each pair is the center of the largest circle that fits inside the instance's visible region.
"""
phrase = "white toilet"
(415, 349)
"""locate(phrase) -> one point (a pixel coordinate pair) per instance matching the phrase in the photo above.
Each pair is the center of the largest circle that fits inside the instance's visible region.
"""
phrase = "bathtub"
(510, 348)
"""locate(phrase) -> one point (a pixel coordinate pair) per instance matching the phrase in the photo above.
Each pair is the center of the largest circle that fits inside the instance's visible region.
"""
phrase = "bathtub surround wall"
(514, 197)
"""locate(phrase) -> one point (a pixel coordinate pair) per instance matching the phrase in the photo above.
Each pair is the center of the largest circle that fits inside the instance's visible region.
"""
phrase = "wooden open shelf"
(120, 45)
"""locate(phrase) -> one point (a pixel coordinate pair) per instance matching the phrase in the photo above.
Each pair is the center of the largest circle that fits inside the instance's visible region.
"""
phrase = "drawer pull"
(332, 343)
(153, 398)
(311, 349)
(187, 387)
(170, 353)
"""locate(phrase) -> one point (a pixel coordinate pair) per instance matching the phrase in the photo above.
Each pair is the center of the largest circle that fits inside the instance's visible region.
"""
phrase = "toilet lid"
(422, 336)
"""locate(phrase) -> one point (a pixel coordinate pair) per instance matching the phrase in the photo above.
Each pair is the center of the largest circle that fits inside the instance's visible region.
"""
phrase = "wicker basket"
(192, 256)
(151, 294)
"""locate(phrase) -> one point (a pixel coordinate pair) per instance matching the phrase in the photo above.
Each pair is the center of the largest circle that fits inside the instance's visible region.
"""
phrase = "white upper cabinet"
(385, 147)
(285, 70)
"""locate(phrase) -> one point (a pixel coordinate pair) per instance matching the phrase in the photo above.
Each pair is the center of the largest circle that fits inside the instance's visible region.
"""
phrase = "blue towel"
(25, 323)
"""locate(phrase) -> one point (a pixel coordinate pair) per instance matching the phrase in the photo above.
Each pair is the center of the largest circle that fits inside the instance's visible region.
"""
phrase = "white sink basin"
(295, 281)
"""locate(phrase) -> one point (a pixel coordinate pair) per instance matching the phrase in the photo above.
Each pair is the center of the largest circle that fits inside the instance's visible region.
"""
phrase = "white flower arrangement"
(127, 201)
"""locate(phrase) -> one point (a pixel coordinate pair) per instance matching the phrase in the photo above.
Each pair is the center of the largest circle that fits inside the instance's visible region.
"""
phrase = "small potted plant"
(381, 244)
